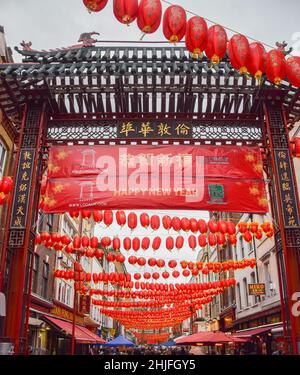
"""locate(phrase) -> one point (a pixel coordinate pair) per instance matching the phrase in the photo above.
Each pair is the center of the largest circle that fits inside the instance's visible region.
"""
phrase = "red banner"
(214, 178)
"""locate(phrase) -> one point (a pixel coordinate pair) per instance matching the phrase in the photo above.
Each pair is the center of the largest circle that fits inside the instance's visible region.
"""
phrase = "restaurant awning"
(209, 338)
(256, 331)
(82, 334)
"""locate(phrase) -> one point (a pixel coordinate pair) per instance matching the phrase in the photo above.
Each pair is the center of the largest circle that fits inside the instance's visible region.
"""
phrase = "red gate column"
(286, 212)
(20, 228)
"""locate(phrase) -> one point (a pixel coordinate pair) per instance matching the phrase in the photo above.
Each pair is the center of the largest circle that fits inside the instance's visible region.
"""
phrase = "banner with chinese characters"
(216, 178)
(155, 130)
(289, 206)
(22, 189)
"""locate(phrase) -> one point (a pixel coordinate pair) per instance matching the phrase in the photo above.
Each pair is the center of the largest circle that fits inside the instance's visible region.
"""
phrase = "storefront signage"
(65, 314)
(257, 289)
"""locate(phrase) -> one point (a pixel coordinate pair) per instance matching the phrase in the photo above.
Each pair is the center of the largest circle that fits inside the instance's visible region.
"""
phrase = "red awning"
(82, 334)
(255, 331)
(208, 338)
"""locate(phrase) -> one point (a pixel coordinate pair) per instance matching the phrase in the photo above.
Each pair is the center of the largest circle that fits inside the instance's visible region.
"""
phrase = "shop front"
(265, 331)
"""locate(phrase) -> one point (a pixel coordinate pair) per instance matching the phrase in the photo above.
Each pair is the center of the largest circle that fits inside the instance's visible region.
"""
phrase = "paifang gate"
(143, 96)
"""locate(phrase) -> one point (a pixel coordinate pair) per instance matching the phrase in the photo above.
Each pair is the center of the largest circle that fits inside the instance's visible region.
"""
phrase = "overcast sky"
(58, 23)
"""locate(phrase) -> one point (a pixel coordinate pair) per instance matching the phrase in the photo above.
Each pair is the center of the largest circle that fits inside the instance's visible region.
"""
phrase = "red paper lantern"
(231, 229)
(105, 242)
(156, 275)
(111, 257)
(98, 216)
(141, 262)
(257, 60)
(259, 234)
(175, 274)
(165, 275)
(156, 243)
(202, 226)
(77, 242)
(293, 70)
(155, 222)
(194, 225)
(167, 222)
(243, 227)
(132, 260)
(295, 147)
(132, 220)
(99, 253)
(232, 239)
(222, 226)
(149, 16)
(94, 242)
(186, 273)
(247, 236)
(275, 66)
(116, 243)
(185, 224)
(176, 224)
(172, 264)
(6, 185)
(95, 5)
(120, 258)
(254, 227)
(174, 23)
(179, 242)
(145, 243)
(266, 227)
(160, 263)
(216, 43)
(136, 244)
(196, 36)
(213, 226)
(108, 217)
(38, 239)
(145, 220)
(202, 240)
(152, 262)
(192, 242)
(74, 214)
(137, 276)
(147, 276)
(121, 218)
(86, 214)
(126, 11)
(127, 243)
(239, 52)
(212, 240)
(221, 239)
(170, 243)
(85, 241)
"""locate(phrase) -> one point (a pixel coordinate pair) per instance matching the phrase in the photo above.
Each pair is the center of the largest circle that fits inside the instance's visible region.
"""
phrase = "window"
(242, 247)
(267, 278)
(253, 281)
(245, 286)
(45, 279)
(36, 261)
(3, 155)
(238, 287)
(250, 247)
(49, 224)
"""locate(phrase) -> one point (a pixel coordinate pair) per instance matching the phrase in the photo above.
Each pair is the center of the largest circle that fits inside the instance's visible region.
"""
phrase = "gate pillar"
(21, 219)
(285, 206)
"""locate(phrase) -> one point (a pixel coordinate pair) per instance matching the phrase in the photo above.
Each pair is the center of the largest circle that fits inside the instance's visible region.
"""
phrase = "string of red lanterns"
(244, 57)
(6, 186)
